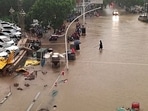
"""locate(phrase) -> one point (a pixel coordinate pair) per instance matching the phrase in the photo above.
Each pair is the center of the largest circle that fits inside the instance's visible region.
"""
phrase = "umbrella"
(47, 55)
(77, 42)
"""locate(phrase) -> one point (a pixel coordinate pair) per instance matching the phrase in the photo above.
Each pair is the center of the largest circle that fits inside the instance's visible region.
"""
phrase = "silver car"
(13, 33)
(4, 41)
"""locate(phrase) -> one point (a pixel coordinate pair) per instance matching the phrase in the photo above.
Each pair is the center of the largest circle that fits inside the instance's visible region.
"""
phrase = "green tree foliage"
(27, 4)
(127, 3)
(53, 11)
(5, 6)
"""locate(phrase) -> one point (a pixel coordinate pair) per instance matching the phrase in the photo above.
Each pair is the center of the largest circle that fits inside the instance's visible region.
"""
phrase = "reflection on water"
(115, 18)
(115, 24)
(115, 30)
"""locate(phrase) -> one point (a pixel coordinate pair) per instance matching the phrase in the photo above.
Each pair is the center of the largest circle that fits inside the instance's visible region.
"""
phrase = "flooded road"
(98, 81)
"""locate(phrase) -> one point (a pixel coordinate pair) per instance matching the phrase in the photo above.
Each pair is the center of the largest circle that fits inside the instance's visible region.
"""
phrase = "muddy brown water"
(96, 80)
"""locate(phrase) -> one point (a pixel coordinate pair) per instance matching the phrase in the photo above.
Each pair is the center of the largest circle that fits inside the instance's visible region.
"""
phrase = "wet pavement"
(96, 80)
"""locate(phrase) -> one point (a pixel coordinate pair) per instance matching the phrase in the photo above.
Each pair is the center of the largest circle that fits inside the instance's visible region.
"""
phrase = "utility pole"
(21, 17)
(19, 3)
(83, 12)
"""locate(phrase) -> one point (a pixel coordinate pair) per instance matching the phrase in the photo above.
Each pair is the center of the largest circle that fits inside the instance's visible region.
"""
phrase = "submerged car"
(115, 12)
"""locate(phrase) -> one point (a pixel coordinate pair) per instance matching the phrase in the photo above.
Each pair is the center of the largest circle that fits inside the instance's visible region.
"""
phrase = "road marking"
(6, 97)
(33, 102)
(53, 85)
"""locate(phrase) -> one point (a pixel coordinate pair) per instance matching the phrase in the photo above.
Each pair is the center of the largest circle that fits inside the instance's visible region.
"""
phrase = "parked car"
(14, 48)
(4, 23)
(10, 48)
(15, 39)
(9, 27)
(13, 33)
(3, 53)
(143, 18)
(4, 34)
(4, 40)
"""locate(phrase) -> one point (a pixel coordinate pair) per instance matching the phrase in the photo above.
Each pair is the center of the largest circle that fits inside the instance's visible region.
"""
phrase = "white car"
(14, 48)
(9, 27)
(9, 48)
(3, 53)
(15, 39)
(4, 34)
(115, 12)
(4, 41)
(13, 33)
(4, 23)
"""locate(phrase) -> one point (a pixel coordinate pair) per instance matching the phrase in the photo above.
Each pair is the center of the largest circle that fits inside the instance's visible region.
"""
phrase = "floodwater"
(98, 81)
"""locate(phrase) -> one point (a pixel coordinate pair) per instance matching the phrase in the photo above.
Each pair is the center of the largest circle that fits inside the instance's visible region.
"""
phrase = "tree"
(53, 11)
(5, 6)
(27, 4)
(129, 3)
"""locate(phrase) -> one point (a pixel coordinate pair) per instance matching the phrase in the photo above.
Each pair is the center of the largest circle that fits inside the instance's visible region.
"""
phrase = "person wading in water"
(100, 45)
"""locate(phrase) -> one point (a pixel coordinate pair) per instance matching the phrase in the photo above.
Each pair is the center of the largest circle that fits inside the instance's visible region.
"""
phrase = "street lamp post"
(11, 12)
(22, 21)
(83, 12)
(84, 9)
(66, 32)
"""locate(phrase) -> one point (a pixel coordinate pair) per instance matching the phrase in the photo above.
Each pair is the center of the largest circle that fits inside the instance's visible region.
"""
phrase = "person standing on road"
(100, 45)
